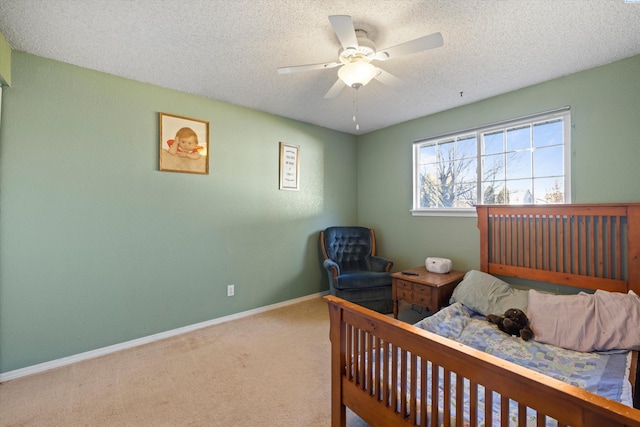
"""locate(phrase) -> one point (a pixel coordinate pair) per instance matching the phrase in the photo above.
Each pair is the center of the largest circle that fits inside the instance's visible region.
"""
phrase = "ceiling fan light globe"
(357, 74)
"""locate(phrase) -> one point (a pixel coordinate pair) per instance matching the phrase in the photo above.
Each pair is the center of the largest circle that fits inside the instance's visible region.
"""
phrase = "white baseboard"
(41, 367)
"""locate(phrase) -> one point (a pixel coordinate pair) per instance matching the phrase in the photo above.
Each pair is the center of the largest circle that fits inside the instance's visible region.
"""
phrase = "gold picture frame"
(184, 144)
(289, 167)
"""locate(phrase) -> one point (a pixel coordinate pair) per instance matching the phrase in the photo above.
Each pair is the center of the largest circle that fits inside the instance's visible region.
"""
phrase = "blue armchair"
(355, 272)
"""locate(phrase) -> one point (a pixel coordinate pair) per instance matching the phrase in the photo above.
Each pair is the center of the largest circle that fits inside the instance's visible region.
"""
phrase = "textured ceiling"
(229, 50)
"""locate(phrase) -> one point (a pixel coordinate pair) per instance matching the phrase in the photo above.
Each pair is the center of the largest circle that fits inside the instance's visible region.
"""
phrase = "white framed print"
(289, 167)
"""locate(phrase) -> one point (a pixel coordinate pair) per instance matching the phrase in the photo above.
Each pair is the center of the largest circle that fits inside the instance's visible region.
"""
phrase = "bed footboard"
(387, 390)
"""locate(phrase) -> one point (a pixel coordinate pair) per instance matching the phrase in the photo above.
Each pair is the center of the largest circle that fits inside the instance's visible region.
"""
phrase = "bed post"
(336, 336)
(483, 225)
(633, 225)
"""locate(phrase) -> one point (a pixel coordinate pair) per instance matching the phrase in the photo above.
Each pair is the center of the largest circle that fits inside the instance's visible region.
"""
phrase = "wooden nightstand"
(431, 290)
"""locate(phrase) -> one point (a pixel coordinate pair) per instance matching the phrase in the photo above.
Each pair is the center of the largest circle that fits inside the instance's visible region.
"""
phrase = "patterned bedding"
(599, 373)
(604, 374)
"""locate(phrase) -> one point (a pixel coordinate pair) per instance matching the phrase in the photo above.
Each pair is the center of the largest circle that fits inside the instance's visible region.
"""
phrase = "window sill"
(460, 213)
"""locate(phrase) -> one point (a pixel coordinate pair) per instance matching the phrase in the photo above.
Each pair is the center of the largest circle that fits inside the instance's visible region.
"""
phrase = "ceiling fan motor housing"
(365, 48)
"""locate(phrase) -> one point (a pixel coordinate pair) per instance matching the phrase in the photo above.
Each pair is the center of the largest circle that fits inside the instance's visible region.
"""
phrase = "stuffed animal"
(514, 322)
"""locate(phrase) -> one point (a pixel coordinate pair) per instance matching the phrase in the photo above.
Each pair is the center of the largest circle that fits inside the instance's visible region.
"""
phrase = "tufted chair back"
(354, 270)
(350, 247)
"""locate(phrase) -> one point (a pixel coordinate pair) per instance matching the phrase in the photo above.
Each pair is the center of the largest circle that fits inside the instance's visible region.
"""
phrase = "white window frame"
(561, 113)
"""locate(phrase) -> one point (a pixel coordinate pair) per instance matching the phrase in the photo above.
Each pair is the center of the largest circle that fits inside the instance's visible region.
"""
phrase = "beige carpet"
(270, 369)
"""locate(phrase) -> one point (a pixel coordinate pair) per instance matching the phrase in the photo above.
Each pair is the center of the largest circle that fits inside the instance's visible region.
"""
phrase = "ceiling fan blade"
(423, 43)
(346, 32)
(390, 80)
(310, 67)
(335, 89)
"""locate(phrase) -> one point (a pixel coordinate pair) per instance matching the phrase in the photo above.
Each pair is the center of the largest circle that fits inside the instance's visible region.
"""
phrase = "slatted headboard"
(590, 246)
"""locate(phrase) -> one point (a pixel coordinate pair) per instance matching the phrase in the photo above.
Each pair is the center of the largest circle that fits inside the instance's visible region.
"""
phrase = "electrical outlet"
(230, 290)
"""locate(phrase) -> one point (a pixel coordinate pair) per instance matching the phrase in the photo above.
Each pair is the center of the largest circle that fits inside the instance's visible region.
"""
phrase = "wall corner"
(5, 62)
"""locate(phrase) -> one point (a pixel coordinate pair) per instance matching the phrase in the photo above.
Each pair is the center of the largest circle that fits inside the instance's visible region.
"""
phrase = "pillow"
(586, 322)
(486, 294)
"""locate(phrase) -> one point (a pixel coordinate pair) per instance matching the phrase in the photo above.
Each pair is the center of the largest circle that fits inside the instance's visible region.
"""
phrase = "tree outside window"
(521, 162)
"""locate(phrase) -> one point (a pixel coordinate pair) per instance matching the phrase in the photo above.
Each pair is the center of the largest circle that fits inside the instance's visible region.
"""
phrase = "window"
(521, 161)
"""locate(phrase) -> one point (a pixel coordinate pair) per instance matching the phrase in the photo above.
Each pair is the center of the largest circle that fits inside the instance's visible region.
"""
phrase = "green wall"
(5, 62)
(99, 247)
(605, 111)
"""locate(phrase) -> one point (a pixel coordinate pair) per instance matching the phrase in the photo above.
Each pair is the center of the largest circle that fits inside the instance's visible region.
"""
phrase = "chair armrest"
(332, 267)
(378, 263)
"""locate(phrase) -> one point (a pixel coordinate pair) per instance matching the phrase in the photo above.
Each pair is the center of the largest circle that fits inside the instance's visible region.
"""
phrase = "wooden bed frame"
(585, 246)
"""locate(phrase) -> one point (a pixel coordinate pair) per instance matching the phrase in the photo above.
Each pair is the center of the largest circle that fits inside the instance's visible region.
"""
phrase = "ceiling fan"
(357, 53)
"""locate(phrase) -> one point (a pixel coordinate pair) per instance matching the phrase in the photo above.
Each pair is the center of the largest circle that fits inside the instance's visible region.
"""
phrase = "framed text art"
(289, 167)
(184, 144)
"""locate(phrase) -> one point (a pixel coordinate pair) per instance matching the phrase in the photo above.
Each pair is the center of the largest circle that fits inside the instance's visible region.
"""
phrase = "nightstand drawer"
(424, 288)
(401, 284)
(423, 300)
(422, 293)
(404, 294)
(405, 290)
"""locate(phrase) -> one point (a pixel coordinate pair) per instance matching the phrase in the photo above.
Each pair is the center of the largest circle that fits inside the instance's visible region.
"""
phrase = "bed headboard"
(590, 246)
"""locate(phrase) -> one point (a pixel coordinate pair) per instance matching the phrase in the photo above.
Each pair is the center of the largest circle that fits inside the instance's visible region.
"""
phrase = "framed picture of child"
(184, 144)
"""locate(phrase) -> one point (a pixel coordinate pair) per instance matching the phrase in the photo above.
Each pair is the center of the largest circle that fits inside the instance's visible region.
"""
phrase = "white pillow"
(486, 294)
(586, 322)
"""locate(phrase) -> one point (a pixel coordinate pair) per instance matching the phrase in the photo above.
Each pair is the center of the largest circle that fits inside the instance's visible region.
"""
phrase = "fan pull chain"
(355, 108)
